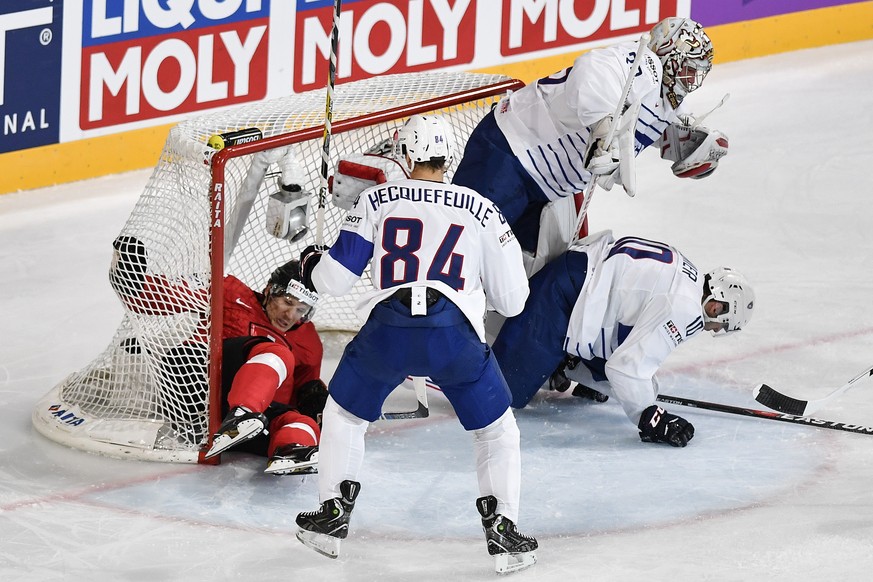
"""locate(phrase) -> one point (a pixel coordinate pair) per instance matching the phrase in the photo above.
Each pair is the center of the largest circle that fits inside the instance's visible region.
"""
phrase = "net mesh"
(147, 394)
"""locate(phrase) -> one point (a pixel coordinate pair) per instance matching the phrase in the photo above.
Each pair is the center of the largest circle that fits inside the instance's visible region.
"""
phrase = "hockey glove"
(308, 259)
(695, 151)
(601, 159)
(582, 391)
(659, 426)
(357, 173)
(311, 398)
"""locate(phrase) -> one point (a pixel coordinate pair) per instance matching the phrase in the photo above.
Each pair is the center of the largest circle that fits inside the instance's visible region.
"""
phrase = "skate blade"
(511, 563)
(322, 543)
(289, 467)
(248, 429)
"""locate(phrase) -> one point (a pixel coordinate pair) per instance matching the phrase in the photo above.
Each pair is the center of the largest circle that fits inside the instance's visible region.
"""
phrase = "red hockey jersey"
(244, 315)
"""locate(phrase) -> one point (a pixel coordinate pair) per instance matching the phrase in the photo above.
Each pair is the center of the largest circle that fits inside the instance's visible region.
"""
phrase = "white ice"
(748, 499)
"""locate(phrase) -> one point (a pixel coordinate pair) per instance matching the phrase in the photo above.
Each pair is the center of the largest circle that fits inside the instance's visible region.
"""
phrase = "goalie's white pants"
(498, 458)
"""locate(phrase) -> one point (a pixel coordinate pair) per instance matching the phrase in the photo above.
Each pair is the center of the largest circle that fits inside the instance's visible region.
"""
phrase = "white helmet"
(730, 287)
(686, 55)
(424, 138)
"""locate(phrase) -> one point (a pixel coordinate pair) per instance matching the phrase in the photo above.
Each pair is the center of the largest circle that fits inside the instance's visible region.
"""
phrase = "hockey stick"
(613, 126)
(328, 117)
(422, 411)
(767, 415)
(774, 399)
(699, 120)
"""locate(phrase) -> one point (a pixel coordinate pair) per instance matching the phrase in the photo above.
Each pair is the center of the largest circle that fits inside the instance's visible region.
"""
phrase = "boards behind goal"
(154, 392)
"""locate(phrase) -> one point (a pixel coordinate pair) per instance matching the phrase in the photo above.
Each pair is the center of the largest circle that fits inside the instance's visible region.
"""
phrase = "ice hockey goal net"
(152, 394)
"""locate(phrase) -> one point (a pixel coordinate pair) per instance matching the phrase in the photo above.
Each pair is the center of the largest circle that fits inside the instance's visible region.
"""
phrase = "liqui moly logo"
(382, 37)
(143, 59)
(30, 70)
(531, 25)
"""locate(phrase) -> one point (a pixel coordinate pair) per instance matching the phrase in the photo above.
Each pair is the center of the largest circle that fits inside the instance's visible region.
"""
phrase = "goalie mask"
(287, 281)
(424, 138)
(686, 56)
(733, 290)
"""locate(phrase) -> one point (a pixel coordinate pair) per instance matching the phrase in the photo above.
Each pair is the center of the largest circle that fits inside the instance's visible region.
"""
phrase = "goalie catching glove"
(659, 426)
(695, 151)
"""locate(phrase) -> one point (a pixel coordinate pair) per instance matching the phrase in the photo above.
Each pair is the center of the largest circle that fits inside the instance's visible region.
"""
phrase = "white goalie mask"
(731, 288)
(424, 138)
(686, 56)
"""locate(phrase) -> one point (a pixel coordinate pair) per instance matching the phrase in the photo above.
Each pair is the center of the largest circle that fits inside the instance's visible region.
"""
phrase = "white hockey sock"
(341, 450)
(498, 463)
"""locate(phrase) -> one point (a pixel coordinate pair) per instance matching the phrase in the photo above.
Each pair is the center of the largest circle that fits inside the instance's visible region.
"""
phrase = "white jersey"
(422, 233)
(640, 301)
(546, 123)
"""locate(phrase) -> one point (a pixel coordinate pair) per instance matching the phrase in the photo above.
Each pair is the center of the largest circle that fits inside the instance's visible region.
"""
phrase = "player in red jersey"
(272, 392)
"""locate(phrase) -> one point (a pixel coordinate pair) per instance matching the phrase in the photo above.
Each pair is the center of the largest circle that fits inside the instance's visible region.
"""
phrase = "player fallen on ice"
(543, 144)
(272, 393)
(436, 252)
(273, 354)
(614, 310)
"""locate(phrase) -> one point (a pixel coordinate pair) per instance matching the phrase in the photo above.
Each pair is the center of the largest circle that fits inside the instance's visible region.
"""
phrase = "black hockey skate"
(322, 530)
(240, 425)
(512, 551)
(293, 460)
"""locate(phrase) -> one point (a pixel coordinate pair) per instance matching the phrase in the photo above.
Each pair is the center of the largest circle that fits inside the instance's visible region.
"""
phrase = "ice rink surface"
(748, 499)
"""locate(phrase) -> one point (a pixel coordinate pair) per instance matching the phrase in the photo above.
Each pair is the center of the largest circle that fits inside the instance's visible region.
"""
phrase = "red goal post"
(154, 393)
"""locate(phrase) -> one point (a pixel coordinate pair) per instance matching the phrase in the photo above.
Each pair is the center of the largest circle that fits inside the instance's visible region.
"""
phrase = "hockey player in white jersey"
(543, 143)
(619, 308)
(436, 252)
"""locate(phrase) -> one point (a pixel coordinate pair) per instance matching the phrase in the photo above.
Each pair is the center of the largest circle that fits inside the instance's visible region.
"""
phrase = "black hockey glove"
(582, 391)
(308, 259)
(659, 426)
(311, 398)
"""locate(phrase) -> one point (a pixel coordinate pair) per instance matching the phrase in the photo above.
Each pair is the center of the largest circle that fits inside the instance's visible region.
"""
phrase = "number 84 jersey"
(423, 233)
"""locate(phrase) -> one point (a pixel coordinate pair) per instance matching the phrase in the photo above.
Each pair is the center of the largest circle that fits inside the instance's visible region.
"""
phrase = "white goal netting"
(147, 395)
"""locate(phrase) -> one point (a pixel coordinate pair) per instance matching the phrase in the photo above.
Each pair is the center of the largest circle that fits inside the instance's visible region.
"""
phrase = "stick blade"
(777, 401)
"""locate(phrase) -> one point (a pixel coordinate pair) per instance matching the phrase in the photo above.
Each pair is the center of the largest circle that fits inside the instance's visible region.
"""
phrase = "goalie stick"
(767, 415)
(613, 126)
(772, 398)
(422, 411)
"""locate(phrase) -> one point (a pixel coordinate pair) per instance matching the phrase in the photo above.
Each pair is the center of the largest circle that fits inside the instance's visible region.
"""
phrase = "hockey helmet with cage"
(733, 290)
(425, 138)
(685, 52)
(287, 280)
